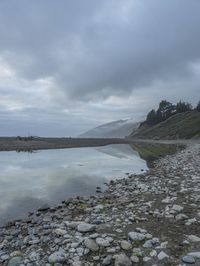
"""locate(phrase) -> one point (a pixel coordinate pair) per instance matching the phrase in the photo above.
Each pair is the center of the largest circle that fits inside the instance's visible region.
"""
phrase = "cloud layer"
(75, 59)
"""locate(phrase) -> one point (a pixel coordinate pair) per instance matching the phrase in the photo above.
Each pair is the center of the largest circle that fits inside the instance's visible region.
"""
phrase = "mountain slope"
(183, 125)
(115, 129)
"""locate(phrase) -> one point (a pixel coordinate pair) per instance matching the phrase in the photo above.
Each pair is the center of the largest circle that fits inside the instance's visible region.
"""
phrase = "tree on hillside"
(182, 107)
(198, 106)
(151, 117)
(165, 110)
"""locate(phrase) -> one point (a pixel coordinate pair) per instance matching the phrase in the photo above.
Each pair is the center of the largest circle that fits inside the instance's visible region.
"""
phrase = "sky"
(68, 66)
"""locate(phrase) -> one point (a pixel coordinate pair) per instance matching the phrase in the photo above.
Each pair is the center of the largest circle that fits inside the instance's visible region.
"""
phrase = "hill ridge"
(182, 125)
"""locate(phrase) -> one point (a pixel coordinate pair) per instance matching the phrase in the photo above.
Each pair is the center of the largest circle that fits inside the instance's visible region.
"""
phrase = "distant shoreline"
(27, 145)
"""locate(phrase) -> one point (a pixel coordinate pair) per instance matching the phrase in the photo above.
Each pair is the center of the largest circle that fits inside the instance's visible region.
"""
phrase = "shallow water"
(30, 180)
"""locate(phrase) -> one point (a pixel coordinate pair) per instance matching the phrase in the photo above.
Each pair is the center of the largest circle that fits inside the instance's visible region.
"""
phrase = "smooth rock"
(15, 261)
(193, 238)
(126, 245)
(122, 260)
(195, 254)
(135, 259)
(148, 244)
(107, 260)
(135, 236)
(188, 259)
(162, 255)
(102, 242)
(177, 208)
(85, 227)
(77, 263)
(91, 244)
(60, 232)
(181, 217)
(58, 256)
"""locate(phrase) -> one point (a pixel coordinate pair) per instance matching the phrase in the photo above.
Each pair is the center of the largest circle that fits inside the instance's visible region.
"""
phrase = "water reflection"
(28, 181)
(153, 151)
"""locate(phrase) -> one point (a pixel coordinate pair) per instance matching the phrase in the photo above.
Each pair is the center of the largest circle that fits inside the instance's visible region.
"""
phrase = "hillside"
(115, 129)
(180, 126)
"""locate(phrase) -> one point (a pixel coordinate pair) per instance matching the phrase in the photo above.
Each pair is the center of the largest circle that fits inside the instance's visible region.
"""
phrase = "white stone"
(153, 253)
(126, 245)
(135, 236)
(60, 232)
(58, 256)
(135, 259)
(193, 238)
(162, 255)
(102, 242)
(181, 217)
(91, 244)
(145, 259)
(177, 208)
(85, 227)
(122, 260)
(195, 254)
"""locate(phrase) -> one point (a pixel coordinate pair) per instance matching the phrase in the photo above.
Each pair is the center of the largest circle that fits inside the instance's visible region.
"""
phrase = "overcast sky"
(67, 66)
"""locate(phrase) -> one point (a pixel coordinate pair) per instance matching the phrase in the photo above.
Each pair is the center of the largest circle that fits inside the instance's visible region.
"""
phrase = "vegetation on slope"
(171, 121)
(179, 126)
(151, 151)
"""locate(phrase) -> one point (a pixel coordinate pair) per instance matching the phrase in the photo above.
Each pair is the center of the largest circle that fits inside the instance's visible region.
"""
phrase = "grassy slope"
(151, 152)
(183, 126)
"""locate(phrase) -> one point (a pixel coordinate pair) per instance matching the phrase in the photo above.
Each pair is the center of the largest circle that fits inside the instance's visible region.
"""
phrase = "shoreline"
(27, 144)
(118, 225)
(30, 145)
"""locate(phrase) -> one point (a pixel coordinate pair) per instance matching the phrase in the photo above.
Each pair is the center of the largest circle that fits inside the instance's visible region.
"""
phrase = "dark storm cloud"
(66, 66)
(96, 49)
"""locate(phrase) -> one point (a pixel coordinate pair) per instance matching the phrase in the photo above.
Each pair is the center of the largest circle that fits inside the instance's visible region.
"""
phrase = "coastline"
(149, 219)
(29, 145)
(43, 143)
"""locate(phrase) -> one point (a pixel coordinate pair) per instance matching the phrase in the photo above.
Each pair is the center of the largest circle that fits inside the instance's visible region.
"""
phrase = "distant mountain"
(115, 129)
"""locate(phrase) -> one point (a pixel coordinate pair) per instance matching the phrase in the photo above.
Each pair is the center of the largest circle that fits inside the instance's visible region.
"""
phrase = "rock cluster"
(147, 219)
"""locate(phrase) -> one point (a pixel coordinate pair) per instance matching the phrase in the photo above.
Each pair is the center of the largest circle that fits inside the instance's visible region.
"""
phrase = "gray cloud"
(89, 48)
(73, 54)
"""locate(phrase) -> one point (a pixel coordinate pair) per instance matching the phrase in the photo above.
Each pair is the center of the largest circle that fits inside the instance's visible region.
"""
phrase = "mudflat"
(32, 143)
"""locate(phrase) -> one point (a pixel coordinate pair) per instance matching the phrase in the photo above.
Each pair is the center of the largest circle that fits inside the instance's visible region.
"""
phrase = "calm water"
(30, 180)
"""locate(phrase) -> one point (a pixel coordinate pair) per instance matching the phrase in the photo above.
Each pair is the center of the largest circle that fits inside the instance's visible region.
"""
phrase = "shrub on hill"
(182, 107)
(166, 110)
(198, 107)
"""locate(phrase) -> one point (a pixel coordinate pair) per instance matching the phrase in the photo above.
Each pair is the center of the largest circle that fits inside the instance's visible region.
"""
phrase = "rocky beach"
(148, 219)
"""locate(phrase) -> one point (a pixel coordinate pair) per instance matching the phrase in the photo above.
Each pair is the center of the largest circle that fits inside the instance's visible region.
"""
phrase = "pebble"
(85, 227)
(126, 245)
(58, 256)
(162, 255)
(188, 259)
(102, 242)
(107, 260)
(193, 238)
(91, 244)
(135, 236)
(122, 260)
(15, 261)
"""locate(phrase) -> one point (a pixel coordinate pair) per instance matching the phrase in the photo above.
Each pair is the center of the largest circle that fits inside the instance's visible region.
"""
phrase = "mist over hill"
(115, 129)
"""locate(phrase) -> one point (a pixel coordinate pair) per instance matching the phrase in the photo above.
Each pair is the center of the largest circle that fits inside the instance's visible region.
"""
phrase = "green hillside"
(180, 126)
